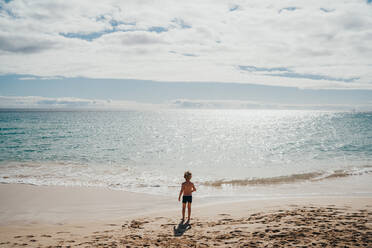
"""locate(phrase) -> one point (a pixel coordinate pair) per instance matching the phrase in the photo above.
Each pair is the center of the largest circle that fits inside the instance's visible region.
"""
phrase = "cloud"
(71, 103)
(216, 104)
(288, 73)
(230, 104)
(39, 78)
(132, 39)
(37, 102)
(28, 78)
(22, 44)
(140, 38)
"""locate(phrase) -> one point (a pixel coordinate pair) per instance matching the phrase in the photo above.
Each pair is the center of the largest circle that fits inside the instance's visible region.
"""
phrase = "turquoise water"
(148, 151)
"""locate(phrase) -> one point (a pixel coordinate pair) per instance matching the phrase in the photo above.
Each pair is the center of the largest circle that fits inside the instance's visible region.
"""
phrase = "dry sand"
(35, 216)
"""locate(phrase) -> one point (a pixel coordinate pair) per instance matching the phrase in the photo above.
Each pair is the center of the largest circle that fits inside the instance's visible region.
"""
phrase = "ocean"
(231, 153)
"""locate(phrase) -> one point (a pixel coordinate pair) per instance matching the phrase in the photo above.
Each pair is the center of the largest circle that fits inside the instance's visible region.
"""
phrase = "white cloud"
(40, 78)
(28, 78)
(151, 40)
(71, 103)
(32, 102)
(25, 44)
(227, 104)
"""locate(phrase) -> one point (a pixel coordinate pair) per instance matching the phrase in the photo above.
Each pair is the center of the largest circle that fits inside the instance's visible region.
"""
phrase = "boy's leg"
(189, 210)
(183, 210)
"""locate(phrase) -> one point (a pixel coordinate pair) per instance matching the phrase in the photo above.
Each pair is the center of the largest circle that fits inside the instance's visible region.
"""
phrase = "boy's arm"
(181, 191)
(194, 189)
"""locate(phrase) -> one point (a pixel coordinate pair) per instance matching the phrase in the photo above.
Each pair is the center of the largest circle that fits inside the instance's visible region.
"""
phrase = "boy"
(186, 189)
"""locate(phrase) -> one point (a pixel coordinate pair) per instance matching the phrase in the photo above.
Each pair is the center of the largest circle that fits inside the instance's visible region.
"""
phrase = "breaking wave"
(294, 178)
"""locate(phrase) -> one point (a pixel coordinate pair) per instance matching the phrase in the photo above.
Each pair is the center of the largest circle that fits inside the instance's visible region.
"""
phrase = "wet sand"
(56, 218)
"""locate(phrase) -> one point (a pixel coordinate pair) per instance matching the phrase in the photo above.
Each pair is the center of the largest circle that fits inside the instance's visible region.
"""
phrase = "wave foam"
(294, 178)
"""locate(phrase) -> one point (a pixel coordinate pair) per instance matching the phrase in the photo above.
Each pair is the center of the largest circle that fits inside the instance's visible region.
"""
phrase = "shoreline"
(76, 216)
(25, 203)
(346, 182)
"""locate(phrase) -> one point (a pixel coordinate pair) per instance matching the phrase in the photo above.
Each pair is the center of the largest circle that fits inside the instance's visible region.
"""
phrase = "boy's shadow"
(181, 228)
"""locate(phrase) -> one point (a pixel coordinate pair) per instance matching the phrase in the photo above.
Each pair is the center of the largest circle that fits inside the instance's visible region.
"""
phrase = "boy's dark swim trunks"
(187, 198)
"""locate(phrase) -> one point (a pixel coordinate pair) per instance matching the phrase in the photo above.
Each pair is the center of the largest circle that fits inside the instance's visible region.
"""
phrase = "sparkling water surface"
(148, 151)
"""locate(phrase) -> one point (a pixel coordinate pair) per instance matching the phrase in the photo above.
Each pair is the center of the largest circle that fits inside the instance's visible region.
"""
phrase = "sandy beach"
(115, 116)
(51, 216)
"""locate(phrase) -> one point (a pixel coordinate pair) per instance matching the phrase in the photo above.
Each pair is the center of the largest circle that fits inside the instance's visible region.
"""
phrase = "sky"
(254, 54)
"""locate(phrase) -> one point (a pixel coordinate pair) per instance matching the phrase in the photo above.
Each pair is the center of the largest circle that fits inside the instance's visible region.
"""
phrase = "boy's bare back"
(187, 188)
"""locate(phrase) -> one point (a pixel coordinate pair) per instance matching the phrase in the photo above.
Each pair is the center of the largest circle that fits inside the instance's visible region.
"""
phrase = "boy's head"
(187, 175)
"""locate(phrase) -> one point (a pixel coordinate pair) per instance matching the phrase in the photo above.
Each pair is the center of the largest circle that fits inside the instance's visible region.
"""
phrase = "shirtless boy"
(186, 189)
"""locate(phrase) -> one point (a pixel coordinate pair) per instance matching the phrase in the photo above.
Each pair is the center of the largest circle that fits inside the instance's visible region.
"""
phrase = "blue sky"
(281, 52)
(173, 94)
